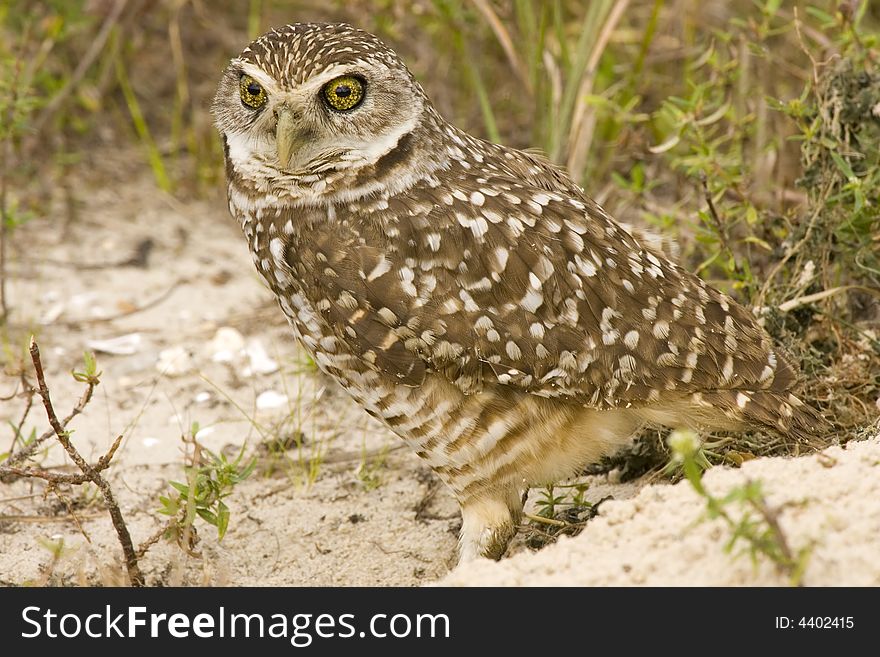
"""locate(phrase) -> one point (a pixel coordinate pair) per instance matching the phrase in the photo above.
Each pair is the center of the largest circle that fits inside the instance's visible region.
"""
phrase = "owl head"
(311, 98)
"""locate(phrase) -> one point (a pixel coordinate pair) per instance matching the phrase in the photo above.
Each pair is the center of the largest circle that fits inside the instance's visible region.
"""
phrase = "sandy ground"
(191, 335)
(828, 503)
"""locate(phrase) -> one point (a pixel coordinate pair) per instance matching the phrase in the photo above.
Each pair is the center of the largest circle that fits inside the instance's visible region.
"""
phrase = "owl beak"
(286, 135)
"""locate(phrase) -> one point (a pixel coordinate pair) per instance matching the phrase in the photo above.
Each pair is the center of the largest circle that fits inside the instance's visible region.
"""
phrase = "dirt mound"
(828, 503)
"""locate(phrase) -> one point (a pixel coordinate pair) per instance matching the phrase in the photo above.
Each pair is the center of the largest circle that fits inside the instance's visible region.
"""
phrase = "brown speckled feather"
(549, 296)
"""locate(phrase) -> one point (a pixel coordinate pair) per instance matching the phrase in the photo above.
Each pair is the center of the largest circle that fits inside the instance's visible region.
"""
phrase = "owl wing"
(502, 282)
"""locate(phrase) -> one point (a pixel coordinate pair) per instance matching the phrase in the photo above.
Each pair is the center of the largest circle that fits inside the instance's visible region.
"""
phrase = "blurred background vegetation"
(747, 129)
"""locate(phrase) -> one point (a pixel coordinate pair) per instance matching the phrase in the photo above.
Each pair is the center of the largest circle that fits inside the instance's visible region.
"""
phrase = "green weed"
(210, 478)
(369, 470)
(562, 509)
(756, 526)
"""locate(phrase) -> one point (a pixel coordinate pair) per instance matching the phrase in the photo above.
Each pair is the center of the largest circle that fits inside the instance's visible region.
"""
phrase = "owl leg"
(488, 524)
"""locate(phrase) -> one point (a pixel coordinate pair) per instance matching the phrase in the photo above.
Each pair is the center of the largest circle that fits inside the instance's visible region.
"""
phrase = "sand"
(828, 503)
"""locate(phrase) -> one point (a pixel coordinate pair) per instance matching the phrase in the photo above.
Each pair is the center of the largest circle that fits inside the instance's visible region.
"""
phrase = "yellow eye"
(252, 93)
(343, 93)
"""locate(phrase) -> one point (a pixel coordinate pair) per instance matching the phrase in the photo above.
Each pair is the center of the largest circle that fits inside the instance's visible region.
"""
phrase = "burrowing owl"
(469, 295)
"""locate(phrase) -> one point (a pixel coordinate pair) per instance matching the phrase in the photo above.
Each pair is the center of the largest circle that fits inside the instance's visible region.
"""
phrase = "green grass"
(294, 444)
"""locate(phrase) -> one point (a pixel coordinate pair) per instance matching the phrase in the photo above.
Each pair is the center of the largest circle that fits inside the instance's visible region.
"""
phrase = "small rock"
(52, 313)
(123, 345)
(226, 345)
(204, 432)
(270, 399)
(175, 361)
(260, 362)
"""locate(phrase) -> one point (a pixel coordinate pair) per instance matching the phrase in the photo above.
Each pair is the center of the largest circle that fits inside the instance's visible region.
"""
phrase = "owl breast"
(295, 251)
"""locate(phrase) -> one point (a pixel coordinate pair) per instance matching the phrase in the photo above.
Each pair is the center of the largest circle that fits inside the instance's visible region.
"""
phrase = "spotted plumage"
(469, 295)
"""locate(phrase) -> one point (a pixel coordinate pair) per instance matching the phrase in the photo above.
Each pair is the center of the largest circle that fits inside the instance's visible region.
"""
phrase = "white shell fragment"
(204, 432)
(175, 361)
(52, 313)
(123, 345)
(270, 399)
(229, 346)
(226, 345)
(258, 359)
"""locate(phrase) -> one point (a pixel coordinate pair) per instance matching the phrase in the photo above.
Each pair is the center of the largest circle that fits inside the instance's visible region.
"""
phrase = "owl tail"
(781, 412)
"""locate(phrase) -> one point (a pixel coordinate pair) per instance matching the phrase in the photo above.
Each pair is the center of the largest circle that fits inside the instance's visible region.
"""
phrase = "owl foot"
(488, 524)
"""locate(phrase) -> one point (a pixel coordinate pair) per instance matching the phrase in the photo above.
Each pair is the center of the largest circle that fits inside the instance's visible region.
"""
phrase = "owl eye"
(252, 94)
(343, 93)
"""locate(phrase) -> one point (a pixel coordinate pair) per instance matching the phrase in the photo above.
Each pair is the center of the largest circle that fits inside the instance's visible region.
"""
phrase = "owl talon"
(488, 525)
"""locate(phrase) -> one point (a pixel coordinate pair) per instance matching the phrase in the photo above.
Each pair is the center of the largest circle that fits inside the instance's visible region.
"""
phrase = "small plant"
(310, 442)
(369, 471)
(758, 525)
(57, 551)
(296, 442)
(554, 53)
(562, 510)
(209, 479)
(38, 74)
(549, 501)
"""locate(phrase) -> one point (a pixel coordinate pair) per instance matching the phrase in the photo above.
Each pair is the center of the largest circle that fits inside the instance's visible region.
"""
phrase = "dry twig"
(89, 472)
(29, 451)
